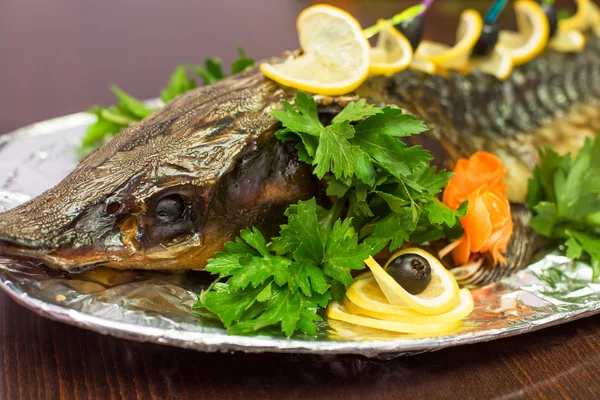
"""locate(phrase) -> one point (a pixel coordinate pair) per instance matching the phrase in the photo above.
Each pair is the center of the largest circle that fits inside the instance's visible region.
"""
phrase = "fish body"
(169, 191)
(553, 100)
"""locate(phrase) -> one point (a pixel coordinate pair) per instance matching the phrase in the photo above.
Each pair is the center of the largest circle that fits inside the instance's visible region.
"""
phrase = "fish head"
(121, 210)
(163, 193)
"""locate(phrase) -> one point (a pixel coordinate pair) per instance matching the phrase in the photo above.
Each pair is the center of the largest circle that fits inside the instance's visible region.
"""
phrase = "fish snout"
(69, 256)
(86, 240)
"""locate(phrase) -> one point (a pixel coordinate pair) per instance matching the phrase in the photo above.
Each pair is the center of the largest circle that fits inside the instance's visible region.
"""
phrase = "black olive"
(411, 271)
(413, 29)
(169, 209)
(487, 41)
(552, 16)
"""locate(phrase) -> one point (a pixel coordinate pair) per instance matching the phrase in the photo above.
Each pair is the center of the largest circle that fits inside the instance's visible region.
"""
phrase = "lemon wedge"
(594, 18)
(457, 56)
(567, 41)
(579, 20)
(423, 66)
(499, 63)
(441, 295)
(336, 54)
(532, 37)
(393, 52)
(336, 311)
(365, 298)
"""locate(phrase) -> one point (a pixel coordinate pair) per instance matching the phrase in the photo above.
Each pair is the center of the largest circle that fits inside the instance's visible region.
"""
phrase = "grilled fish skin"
(552, 101)
(169, 191)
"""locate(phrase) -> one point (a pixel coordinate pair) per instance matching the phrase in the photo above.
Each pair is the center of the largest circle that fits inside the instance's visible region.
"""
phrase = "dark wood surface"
(57, 57)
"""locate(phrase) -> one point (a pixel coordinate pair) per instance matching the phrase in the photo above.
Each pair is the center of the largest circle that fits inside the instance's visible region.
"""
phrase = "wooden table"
(57, 57)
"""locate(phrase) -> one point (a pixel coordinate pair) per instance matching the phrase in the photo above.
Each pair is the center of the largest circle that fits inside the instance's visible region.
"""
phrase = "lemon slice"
(532, 37)
(393, 52)
(340, 330)
(423, 66)
(594, 18)
(338, 312)
(579, 20)
(336, 54)
(499, 63)
(441, 295)
(567, 41)
(457, 56)
(365, 298)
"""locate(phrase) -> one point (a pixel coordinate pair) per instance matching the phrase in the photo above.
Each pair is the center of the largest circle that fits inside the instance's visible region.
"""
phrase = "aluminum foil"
(156, 306)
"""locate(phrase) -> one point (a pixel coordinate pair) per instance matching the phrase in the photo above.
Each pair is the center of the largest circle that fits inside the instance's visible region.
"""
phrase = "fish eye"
(113, 207)
(169, 209)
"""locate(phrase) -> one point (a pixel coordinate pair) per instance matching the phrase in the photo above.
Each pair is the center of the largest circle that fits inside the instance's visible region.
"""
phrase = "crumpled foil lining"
(156, 306)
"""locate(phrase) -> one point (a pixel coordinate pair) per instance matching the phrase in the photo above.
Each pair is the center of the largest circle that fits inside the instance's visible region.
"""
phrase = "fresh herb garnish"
(386, 194)
(284, 286)
(564, 195)
(111, 120)
(179, 83)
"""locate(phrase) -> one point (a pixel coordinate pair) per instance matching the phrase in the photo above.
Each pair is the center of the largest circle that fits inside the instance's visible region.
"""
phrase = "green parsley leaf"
(430, 180)
(305, 120)
(113, 119)
(395, 203)
(364, 170)
(131, 104)
(239, 247)
(230, 305)
(254, 238)
(544, 219)
(342, 253)
(392, 154)
(564, 195)
(550, 163)
(307, 278)
(211, 72)
(242, 62)
(358, 206)
(440, 214)
(355, 111)
(580, 242)
(256, 271)
(338, 291)
(335, 154)
(103, 127)
(178, 83)
(394, 229)
(224, 264)
(391, 122)
(301, 235)
(336, 187)
(308, 144)
(574, 249)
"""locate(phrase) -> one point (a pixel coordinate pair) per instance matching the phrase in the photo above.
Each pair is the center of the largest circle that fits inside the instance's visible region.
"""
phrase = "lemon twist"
(376, 301)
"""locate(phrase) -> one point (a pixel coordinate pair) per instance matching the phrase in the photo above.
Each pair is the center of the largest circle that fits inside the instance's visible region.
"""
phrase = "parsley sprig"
(386, 194)
(389, 186)
(111, 120)
(284, 284)
(564, 195)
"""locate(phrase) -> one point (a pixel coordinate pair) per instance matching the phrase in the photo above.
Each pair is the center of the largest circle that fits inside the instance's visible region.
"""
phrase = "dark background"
(58, 57)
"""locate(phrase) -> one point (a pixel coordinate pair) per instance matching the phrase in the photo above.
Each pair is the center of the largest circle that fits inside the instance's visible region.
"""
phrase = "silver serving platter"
(156, 307)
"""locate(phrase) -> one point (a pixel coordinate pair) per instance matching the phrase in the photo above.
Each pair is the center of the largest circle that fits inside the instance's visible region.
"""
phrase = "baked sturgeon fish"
(169, 191)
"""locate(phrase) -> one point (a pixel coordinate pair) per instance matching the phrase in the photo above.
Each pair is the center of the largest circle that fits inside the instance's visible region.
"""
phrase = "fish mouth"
(73, 259)
(67, 259)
